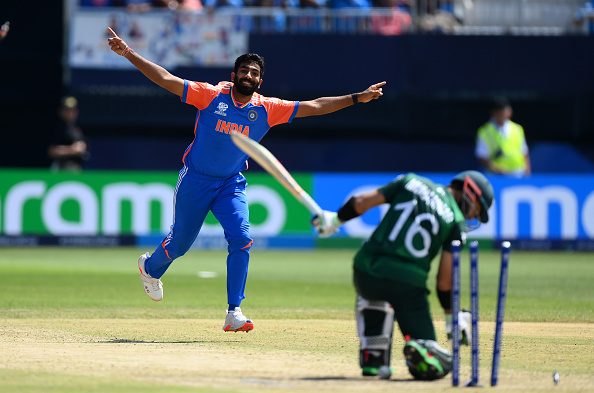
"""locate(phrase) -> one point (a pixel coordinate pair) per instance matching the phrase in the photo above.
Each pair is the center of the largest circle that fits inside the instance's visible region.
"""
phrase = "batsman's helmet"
(476, 186)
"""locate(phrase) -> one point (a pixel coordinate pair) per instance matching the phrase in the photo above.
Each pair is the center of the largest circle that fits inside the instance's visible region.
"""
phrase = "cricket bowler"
(211, 178)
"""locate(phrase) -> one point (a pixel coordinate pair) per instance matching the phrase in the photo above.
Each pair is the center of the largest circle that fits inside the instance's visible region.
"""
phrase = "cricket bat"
(270, 163)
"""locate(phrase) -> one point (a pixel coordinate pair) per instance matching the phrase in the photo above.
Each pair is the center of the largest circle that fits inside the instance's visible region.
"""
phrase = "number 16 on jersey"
(414, 228)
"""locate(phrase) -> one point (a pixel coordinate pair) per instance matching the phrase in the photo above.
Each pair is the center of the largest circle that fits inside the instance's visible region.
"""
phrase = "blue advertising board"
(540, 207)
(123, 208)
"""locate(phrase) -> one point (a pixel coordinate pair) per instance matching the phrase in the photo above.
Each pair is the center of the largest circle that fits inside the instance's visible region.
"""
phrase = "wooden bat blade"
(273, 166)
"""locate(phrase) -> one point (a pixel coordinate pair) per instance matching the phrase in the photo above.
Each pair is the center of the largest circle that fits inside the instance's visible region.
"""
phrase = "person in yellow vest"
(500, 143)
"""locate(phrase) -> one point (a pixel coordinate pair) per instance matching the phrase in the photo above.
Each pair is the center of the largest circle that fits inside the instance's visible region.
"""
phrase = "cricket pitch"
(179, 355)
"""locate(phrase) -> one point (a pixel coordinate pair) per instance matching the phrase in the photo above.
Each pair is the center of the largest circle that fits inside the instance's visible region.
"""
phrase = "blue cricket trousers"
(195, 195)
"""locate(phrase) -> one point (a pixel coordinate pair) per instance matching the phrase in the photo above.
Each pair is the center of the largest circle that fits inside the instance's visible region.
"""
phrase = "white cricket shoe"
(152, 286)
(237, 322)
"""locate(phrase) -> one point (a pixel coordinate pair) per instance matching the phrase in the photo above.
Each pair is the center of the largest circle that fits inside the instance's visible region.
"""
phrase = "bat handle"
(310, 204)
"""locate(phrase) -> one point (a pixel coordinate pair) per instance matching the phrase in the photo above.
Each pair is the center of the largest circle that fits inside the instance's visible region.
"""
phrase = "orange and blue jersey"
(211, 178)
(212, 152)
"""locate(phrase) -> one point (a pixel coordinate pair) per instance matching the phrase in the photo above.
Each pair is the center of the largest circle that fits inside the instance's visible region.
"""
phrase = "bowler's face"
(248, 78)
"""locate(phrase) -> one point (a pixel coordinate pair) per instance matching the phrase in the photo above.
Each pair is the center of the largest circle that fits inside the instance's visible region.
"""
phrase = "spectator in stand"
(584, 18)
(310, 23)
(352, 22)
(390, 17)
(213, 4)
(363, 4)
(183, 5)
(276, 20)
(279, 3)
(138, 5)
(437, 17)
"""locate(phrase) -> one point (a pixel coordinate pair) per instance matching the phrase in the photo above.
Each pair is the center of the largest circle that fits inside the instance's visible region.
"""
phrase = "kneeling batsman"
(390, 270)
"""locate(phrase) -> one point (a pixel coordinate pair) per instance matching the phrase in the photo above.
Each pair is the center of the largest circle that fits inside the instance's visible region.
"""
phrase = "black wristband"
(347, 211)
(445, 299)
(354, 97)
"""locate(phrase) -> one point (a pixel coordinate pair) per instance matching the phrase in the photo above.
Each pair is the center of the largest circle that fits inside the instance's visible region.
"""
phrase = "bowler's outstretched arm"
(154, 72)
(324, 105)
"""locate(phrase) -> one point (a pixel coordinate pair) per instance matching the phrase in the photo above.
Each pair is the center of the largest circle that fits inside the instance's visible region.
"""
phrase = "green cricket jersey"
(423, 217)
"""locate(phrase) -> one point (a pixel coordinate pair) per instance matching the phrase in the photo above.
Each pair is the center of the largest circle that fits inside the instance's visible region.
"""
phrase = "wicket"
(474, 305)
(505, 248)
(474, 309)
(455, 310)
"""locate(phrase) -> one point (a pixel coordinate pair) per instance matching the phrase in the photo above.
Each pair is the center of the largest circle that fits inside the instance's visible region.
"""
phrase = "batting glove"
(464, 319)
(326, 224)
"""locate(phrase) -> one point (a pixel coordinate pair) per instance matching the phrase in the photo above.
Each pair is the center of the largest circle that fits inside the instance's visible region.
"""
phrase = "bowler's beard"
(243, 89)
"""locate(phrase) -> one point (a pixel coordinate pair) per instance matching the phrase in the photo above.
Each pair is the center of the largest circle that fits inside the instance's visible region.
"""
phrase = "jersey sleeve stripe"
(184, 97)
(294, 112)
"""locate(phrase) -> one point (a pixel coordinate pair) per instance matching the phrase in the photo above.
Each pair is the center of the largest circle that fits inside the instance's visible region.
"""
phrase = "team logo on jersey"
(221, 108)
(232, 128)
(253, 115)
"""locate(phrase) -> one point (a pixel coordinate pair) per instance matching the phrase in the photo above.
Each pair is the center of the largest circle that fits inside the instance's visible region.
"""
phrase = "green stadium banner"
(119, 203)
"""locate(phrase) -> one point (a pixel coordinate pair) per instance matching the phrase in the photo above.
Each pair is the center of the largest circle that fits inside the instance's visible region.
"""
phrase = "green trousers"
(410, 303)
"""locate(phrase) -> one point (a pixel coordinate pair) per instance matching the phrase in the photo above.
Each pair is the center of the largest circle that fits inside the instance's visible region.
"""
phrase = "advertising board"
(139, 205)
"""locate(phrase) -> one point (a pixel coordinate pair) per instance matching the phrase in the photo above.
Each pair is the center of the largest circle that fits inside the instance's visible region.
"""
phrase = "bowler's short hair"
(249, 58)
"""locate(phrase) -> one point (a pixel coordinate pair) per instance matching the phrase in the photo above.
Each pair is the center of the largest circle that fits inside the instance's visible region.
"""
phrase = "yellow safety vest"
(506, 152)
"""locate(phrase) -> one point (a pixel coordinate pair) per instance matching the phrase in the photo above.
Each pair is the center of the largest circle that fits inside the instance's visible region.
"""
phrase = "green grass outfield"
(89, 295)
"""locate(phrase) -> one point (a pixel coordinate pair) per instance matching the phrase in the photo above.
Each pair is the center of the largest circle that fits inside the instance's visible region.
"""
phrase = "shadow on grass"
(361, 379)
(127, 341)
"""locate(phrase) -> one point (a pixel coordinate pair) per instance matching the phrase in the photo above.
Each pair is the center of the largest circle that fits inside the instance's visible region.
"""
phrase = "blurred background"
(443, 61)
